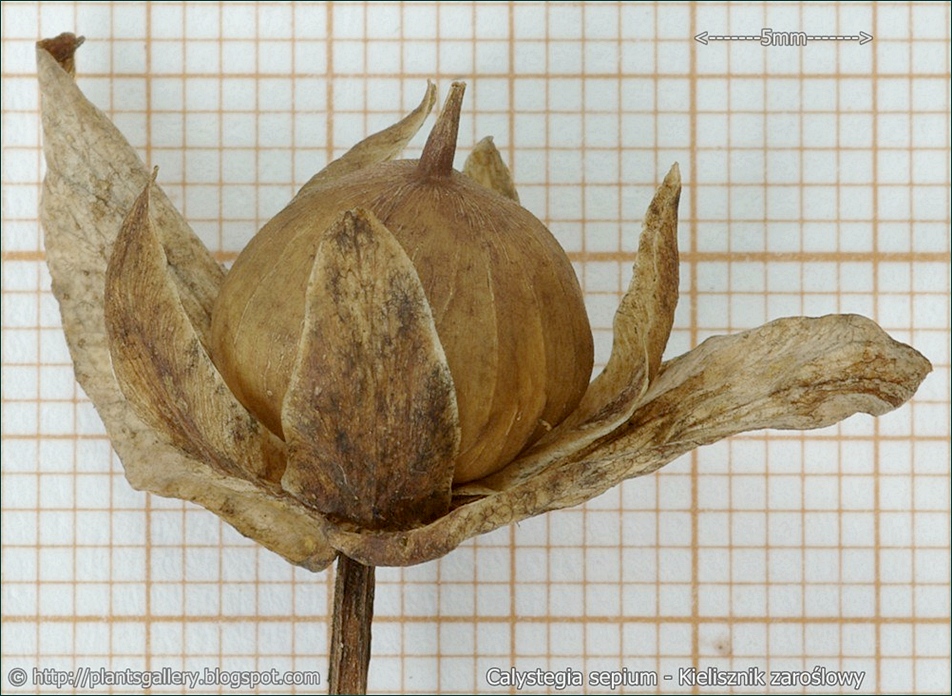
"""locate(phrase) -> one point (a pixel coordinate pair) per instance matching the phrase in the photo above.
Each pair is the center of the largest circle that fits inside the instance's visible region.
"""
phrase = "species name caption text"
(818, 677)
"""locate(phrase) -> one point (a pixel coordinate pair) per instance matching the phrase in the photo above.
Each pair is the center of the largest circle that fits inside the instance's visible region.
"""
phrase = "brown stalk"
(349, 657)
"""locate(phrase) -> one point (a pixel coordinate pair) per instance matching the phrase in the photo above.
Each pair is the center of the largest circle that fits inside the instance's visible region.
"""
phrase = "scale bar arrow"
(769, 37)
(863, 38)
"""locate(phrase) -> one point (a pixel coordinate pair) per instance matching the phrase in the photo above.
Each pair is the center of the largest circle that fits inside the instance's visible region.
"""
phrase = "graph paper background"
(817, 180)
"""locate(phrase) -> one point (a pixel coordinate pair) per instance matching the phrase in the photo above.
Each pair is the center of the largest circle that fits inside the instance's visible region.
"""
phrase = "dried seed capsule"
(506, 304)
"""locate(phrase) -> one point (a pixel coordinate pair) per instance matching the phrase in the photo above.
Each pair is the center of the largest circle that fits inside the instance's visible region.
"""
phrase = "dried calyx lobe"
(504, 298)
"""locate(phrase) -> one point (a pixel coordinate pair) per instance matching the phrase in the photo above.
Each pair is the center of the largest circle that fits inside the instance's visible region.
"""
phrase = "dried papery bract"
(377, 439)
(93, 179)
(161, 365)
(370, 414)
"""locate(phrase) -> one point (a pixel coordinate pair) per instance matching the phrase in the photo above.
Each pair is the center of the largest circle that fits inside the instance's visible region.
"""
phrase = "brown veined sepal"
(163, 368)
(370, 414)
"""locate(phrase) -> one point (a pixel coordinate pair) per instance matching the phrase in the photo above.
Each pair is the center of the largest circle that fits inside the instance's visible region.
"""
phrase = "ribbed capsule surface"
(504, 298)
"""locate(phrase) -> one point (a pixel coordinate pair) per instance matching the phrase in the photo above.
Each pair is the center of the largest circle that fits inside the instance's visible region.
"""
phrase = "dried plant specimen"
(398, 362)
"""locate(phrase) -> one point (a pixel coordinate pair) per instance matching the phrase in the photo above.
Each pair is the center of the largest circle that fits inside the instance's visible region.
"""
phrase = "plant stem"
(350, 630)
